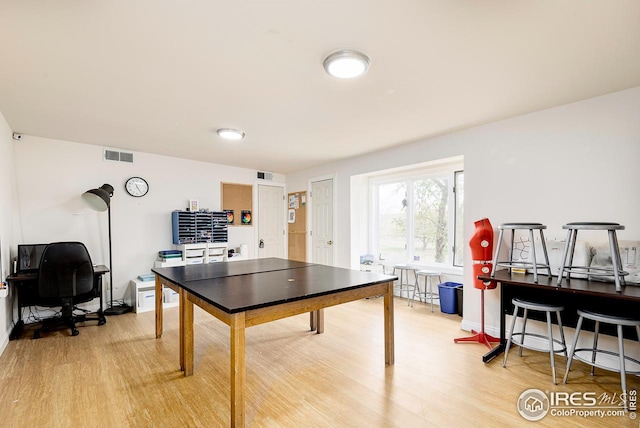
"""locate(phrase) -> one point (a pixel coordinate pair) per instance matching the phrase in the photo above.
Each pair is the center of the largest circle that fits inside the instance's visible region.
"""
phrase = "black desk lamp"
(100, 200)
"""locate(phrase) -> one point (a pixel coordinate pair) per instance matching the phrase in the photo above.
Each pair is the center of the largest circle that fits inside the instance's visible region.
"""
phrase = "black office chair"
(65, 279)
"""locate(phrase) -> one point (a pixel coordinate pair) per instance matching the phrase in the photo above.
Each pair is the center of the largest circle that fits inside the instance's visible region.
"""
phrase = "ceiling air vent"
(265, 175)
(112, 155)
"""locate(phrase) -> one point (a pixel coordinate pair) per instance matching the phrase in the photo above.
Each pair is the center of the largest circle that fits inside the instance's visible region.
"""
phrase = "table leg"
(182, 298)
(388, 326)
(313, 320)
(320, 317)
(158, 308)
(101, 316)
(503, 337)
(238, 370)
(186, 334)
(17, 330)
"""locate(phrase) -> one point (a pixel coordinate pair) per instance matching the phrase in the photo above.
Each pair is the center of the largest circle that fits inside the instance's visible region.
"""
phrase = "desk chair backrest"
(65, 271)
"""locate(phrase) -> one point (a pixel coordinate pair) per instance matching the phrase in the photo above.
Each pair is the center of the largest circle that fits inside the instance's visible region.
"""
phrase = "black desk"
(573, 294)
(253, 295)
(26, 285)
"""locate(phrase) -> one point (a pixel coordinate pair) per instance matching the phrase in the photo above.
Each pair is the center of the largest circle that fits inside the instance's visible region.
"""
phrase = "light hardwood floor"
(119, 375)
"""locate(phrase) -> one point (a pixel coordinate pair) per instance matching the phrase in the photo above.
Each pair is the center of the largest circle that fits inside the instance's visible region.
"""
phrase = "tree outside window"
(430, 237)
(419, 219)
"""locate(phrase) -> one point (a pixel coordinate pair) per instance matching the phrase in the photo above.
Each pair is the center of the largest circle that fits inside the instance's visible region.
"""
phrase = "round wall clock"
(137, 187)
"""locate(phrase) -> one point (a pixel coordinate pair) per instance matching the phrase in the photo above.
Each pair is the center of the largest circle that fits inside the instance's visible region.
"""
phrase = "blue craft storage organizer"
(448, 297)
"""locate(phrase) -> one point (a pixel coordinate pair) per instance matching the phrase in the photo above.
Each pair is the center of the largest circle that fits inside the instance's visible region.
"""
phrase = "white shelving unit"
(204, 252)
(143, 296)
(172, 263)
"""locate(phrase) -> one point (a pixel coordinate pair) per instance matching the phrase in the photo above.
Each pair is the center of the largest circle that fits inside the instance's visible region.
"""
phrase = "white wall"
(577, 162)
(572, 163)
(51, 175)
(7, 218)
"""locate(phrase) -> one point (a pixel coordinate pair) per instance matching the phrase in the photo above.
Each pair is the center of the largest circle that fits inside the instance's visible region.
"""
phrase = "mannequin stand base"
(479, 337)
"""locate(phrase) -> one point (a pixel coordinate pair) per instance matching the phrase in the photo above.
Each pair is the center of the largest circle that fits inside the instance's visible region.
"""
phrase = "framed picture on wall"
(229, 216)
(246, 217)
(193, 205)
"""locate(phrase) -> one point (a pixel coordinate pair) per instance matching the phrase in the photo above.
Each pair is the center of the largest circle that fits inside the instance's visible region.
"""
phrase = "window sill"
(446, 270)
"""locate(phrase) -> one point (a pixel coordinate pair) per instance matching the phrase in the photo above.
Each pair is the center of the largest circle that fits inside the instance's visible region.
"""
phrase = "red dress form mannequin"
(481, 244)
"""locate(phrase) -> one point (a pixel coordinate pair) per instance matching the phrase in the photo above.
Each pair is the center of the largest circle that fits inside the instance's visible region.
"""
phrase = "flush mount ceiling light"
(230, 134)
(346, 64)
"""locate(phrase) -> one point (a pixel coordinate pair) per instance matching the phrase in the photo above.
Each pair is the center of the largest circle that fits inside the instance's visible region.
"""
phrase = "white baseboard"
(5, 342)
(468, 326)
(533, 326)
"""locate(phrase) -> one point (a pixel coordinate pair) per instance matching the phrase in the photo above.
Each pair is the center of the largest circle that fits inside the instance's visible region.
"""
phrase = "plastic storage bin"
(146, 298)
(448, 297)
(169, 296)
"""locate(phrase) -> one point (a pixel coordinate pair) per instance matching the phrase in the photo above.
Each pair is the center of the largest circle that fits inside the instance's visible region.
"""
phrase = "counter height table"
(573, 294)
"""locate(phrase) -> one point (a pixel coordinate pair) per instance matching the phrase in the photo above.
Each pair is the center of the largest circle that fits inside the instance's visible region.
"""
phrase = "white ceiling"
(159, 76)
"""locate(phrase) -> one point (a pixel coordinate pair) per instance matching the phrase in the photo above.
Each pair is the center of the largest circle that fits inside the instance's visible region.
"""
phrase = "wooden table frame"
(239, 321)
(316, 318)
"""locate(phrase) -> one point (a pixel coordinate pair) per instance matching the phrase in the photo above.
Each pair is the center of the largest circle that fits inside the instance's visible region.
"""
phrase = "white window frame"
(410, 177)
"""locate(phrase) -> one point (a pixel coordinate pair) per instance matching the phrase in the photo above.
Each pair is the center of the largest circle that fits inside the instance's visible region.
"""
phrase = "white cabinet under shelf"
(143, 296)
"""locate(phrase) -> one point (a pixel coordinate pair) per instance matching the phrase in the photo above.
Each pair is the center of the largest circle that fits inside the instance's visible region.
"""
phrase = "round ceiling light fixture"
(230, 134)
(346, 64)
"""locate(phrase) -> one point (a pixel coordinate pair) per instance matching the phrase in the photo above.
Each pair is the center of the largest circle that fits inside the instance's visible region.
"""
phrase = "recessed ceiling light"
(346, 64)
(230, 134)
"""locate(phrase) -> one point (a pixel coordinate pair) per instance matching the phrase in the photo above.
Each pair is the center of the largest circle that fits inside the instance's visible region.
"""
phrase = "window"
(419, 217)
(459, 219)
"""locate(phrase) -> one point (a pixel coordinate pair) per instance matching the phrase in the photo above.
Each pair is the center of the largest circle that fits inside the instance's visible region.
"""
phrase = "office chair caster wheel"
(36, 334)
(102, 321)
(74, 332)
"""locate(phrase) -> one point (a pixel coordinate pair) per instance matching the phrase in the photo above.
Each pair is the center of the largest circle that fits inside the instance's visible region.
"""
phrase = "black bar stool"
(510, 263)
(567, 258)
(590, 355)
(520, 335)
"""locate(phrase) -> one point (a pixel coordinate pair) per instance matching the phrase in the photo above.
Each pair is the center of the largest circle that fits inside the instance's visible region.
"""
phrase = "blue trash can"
(448, 297)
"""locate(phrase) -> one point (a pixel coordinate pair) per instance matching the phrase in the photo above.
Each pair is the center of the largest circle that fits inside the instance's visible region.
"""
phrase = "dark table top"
(245, 291)
(181, 274)
(574, 285)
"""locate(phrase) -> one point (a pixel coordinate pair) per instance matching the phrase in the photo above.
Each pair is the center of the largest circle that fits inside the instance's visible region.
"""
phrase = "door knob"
(330, 242)
(261, 245)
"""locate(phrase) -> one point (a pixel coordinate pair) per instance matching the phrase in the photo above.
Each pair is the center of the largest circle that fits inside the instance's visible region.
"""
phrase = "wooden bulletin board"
(238, 198)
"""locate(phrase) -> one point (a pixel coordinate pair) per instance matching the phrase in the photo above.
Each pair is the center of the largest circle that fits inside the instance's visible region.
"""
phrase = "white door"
(271, 237)
(322, 222)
